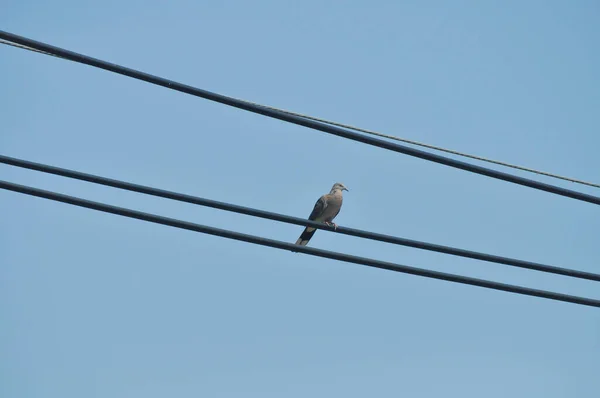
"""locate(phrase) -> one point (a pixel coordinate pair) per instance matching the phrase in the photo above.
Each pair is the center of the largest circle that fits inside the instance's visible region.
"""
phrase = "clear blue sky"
(96, 305)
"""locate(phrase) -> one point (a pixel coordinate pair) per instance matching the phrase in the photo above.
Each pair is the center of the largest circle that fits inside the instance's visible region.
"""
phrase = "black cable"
(296, 248)
(73, 56)
(293, 220)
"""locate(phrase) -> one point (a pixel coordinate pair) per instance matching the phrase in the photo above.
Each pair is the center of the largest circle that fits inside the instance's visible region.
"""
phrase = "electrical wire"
(293, 220)
(434, 147)
(76, 57)
(388, 136)
(8, 43)
(296, 248)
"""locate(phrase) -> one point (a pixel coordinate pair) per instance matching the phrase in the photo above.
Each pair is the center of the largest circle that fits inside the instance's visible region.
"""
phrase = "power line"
(8, 43)
(296, 248)
(293, 220)
(73, 56)
(434, 147)
(378, 134)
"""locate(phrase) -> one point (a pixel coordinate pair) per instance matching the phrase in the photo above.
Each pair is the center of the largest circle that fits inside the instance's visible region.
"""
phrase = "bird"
(327, 207)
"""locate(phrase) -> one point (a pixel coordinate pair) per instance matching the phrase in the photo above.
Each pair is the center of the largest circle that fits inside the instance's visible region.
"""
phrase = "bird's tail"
(306, 235)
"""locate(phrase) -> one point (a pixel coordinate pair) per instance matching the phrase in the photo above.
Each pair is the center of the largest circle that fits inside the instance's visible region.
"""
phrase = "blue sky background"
(97, 305)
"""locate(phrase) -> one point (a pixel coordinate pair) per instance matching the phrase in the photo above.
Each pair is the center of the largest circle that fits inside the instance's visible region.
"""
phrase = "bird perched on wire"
(327, 207)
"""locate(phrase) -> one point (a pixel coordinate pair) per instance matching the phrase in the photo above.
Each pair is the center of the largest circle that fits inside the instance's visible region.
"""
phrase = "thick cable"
(388, 136)
(295, 248)
(76, 57)
(293, 220)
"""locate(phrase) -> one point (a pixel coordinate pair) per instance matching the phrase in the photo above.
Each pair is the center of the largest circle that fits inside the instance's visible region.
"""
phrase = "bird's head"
(338, 186)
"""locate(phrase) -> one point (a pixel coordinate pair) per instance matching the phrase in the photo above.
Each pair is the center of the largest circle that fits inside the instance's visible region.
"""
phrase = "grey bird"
(327, 207)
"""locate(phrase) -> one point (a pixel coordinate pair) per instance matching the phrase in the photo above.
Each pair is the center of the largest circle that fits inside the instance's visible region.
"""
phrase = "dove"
(327, 207)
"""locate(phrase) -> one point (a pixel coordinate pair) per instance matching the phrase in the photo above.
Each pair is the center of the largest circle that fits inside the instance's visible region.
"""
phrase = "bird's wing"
(319, 208)
(335, 211)
(316, 215)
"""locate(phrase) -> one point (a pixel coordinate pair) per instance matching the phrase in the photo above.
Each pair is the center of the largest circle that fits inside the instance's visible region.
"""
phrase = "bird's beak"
(345, 189)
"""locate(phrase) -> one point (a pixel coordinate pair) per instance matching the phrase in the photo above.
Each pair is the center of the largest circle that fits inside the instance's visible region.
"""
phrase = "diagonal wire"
(378, 134)
(292, 247)
(293, 220)
(76, 57)
(8, 43)
(429, 146)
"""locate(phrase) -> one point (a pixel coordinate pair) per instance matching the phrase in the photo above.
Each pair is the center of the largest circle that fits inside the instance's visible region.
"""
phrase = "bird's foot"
(331, 224)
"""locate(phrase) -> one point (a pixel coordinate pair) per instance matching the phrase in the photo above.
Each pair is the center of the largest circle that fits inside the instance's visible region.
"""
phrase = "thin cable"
(295, 248)
(8, 43)
(293, 220)
(378, 134)
(70, 55)
(421, 144)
